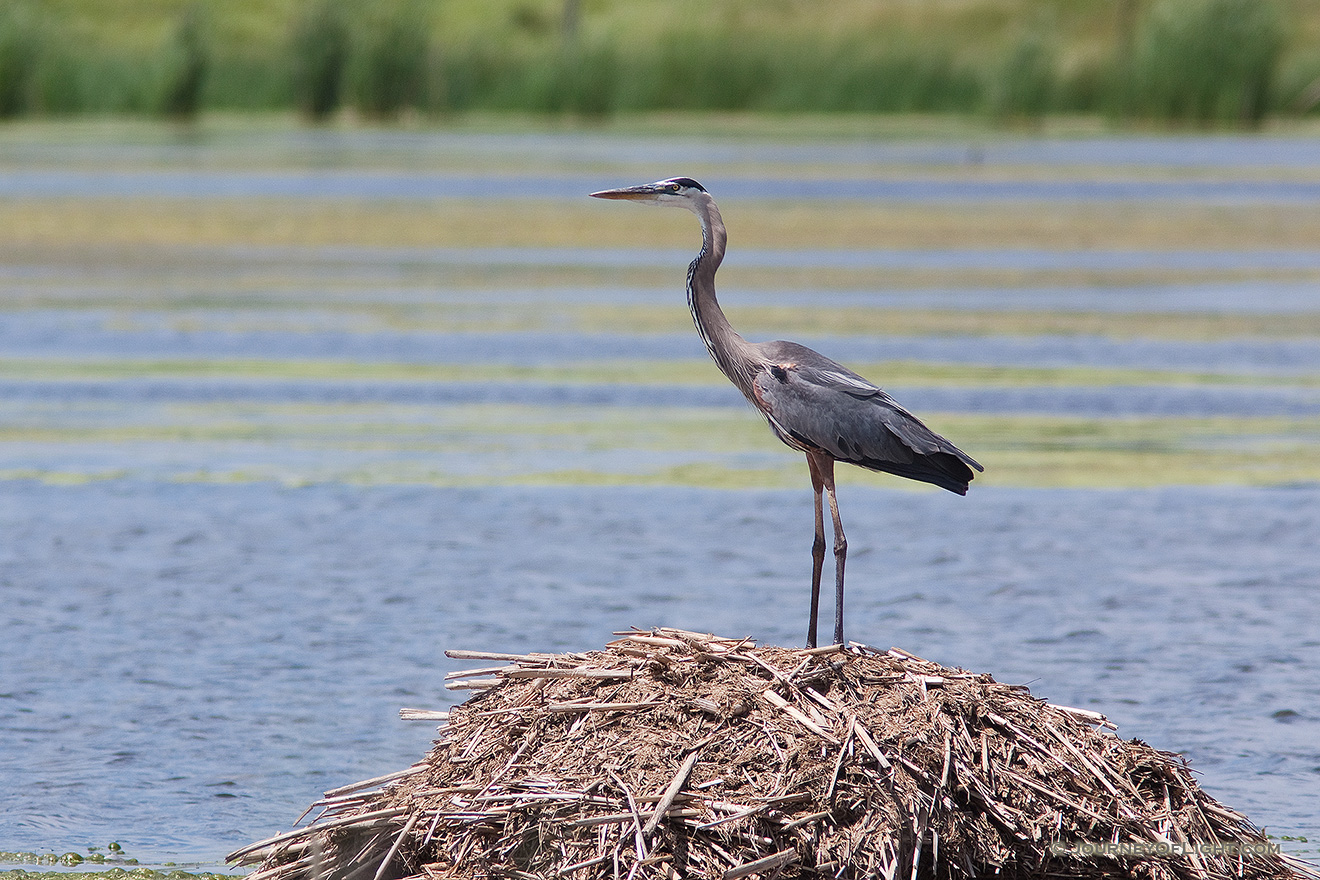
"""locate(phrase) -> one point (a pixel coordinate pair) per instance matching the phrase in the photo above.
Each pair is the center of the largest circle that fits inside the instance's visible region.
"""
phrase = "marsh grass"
(70, 81)
(20, 50)
(390, 65)
(1209, 61)
(186, 62)
(1027, 84)
(708, 72)
(319, 56)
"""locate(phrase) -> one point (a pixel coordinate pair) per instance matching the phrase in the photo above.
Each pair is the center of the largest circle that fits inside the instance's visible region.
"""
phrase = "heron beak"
(631, 193)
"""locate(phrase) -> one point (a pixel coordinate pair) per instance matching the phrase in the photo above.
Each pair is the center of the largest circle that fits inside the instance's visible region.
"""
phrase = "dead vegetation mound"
(675, 754)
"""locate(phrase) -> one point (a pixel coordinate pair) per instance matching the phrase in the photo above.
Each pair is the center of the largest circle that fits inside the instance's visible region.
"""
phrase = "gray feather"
(814, 403)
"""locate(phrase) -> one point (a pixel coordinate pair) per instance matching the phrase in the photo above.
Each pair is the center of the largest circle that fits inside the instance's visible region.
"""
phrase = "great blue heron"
(812, 403)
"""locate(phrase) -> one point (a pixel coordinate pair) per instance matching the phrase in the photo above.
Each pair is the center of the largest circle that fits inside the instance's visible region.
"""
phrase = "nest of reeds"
(674, 754)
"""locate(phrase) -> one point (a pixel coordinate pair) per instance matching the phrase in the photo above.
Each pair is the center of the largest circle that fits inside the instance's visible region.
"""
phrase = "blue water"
(418, 164)
(186, 667)
(94, 332)
(585, 149)
(431, 185)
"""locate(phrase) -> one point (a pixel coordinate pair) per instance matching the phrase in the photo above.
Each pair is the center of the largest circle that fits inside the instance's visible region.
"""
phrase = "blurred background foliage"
(1197, 62)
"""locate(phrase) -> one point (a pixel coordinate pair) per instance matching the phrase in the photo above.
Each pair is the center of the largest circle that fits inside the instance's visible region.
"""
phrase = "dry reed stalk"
(676, 754)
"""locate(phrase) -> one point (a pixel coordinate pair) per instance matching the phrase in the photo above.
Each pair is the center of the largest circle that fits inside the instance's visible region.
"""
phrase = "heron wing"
(815, 404)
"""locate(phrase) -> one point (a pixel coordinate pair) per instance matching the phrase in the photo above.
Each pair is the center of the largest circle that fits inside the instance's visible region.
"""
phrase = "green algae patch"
(697, 371)
(377, 443)
(111, 874)
(1059, 452)
(707, 475)
(61, 478)
(78, 222)
(77, 866)
(68, 859)
(112, 864)
(766, 321)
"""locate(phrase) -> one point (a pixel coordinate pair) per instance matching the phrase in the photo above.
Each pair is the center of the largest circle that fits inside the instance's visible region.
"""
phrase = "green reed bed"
(1201, 61)
(1206, 61)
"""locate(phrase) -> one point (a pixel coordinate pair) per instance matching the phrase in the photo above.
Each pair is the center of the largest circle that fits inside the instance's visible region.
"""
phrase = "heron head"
(681, 192)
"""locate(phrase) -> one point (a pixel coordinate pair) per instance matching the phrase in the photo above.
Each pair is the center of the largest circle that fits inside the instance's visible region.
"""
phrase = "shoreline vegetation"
(1203, 63)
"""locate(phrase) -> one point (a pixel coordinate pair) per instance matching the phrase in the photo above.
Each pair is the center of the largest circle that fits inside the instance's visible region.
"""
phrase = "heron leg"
(817, 548)
(826, 467)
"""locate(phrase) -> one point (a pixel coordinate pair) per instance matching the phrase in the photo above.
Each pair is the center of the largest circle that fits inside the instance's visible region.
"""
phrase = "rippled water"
(1090, 401)
(230, 552)
(1233, 355)
(187, 667)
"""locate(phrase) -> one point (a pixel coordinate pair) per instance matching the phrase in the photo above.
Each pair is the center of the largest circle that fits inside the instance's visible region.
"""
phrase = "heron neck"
(732, 354)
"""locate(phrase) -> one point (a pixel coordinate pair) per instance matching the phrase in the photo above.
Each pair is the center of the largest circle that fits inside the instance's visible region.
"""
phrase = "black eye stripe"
(678, 184)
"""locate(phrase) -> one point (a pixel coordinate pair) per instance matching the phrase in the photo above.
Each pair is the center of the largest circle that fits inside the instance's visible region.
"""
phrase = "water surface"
(237, 533)
(187, 666)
